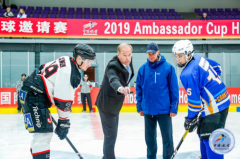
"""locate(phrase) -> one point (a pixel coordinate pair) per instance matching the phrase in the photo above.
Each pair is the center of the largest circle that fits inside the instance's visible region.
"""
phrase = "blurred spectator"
(86, 88)
(204, 17)
(19, 86)
(8, 13)
(21, 14)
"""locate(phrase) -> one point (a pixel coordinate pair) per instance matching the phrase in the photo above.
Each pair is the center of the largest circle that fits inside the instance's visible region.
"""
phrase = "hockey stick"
(70, 143)
(179, 144)
(182, 139)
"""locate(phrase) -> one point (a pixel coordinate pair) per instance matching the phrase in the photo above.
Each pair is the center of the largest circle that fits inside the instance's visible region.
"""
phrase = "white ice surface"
(87, 136)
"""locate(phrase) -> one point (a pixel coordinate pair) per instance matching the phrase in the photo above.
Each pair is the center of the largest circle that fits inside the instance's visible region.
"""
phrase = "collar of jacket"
(161, 60)
(124, 69)
(116, 58)
(187, 64)
(72, 60)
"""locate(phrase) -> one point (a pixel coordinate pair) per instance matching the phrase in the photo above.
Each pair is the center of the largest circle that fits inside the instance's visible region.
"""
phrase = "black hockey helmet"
(85, 51)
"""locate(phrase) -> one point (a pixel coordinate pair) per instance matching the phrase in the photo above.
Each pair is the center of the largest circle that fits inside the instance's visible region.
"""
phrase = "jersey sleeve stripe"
(62, 100)
(38, 153)
(46, 89)
(221, 92)
(63, 110)
(223, 101)
(196, 102)
(193, 105)
(194, 110)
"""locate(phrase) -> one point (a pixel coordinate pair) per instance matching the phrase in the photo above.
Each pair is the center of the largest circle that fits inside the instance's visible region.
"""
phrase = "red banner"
(134, 29)
(9, 97)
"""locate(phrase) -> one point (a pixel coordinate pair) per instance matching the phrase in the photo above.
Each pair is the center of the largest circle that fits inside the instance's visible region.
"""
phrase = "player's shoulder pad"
(75, 77)
(204, 64)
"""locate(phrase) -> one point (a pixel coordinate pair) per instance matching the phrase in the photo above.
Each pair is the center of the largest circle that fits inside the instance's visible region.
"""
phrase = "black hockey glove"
(62, 128)
(191, 124)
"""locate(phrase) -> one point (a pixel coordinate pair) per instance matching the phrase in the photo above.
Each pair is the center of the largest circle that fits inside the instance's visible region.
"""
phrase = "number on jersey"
(213, 75)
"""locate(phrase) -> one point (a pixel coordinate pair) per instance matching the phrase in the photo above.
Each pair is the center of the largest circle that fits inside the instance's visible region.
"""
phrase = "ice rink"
(87, 136)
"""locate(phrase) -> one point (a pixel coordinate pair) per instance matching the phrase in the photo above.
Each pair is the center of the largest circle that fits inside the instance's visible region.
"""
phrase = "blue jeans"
(165, 124)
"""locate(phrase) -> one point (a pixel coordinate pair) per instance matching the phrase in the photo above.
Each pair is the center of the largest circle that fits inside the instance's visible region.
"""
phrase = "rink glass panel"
(14, 64)
(230, 67)
(228, 61)
(46, 57)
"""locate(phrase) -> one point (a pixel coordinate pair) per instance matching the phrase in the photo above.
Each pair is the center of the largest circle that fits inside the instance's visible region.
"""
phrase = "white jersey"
(61, 78)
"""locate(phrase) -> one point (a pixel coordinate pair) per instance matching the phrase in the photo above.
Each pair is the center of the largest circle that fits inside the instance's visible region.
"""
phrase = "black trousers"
(211, 123)
(83, 97)
(110, 129)
(165, 124)
(19, 104)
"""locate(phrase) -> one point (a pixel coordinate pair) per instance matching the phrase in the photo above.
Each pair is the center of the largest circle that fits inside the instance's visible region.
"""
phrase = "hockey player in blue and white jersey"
(205, 90)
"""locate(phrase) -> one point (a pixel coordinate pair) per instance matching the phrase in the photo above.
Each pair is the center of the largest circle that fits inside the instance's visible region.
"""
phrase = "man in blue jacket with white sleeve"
(157, 100)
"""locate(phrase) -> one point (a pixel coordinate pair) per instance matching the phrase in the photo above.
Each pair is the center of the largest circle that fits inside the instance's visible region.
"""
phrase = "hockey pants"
(40, 145)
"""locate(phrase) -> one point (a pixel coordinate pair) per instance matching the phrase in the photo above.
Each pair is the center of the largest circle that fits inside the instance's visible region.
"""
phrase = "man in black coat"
(118, 74)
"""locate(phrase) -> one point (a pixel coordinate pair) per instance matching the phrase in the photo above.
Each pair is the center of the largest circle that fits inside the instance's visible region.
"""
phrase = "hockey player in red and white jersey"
(54, 84)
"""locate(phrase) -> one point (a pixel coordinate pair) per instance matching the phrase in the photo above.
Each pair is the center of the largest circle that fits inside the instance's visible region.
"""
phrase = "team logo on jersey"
(68, 106)
(222, 97)
(37, 116)
(62, 62)
(49, 120)
(204, 63)
(221, 141)
(29, 122)
(22, 95)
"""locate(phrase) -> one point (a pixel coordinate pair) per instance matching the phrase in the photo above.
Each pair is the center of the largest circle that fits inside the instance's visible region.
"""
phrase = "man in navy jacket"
(157, 100)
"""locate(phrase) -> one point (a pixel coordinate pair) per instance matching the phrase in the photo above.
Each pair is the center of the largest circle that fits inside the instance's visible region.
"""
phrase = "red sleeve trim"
(63, 110)
(62, 100)
(38, 153)
(46, 89)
